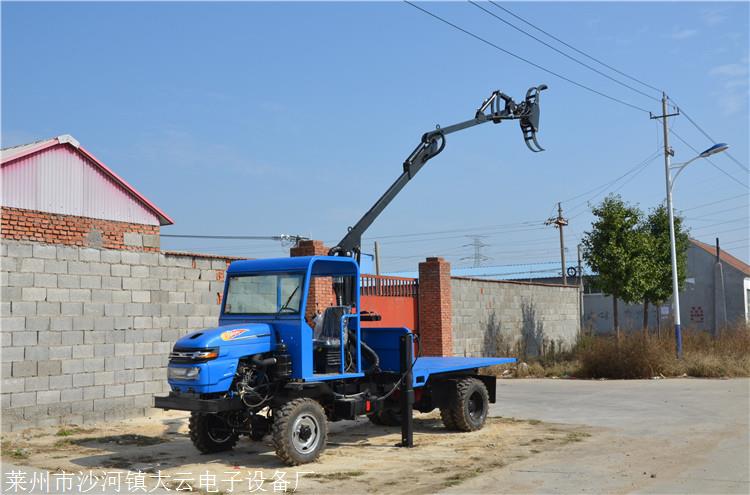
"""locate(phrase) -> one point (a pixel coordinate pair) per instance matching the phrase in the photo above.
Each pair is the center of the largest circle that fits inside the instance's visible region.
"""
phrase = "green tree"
(657, 261)
(613, 250)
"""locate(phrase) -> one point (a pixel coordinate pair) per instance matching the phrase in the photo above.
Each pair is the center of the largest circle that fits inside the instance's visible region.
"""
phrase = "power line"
(712, 140)
(709, 161)
(549, 71)
(584, 64)
(706, 215)
(723, 223)
(609, 183)
(715, 202)
(575, 49)
(504, 231)
(282, 237)
(690, 119)
(524, 223)
(635, 172)
(723, 231)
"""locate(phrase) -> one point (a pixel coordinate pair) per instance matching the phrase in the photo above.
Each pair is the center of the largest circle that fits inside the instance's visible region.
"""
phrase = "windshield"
(264, 294)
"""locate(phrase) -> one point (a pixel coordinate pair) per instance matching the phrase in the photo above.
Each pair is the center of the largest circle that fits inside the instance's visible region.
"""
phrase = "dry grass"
(639, 356)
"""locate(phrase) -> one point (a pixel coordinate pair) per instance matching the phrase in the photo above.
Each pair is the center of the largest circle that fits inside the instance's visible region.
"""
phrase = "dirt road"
(660, 436)
(361, 457)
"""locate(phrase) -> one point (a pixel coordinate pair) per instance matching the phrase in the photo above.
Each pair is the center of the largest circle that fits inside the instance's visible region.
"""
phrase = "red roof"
(17, 152)
(724, 256)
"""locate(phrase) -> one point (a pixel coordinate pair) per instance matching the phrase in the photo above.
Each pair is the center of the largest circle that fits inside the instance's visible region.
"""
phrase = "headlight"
(183, 373)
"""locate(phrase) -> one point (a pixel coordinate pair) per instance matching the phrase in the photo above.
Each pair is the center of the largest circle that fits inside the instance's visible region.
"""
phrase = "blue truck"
(267, 369)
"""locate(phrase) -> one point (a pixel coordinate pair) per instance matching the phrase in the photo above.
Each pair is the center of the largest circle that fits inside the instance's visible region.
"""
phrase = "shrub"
(645, 356)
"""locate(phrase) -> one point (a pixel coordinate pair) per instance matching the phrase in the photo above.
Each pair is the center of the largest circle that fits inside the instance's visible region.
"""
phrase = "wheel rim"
(305, 433)
(217, 429)
(476, 406)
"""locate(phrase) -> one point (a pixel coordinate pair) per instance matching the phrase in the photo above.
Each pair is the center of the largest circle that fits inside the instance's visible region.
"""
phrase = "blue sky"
(269, 118)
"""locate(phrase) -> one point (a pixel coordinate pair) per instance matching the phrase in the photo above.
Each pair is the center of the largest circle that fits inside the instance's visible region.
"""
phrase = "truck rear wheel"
(211, 433)
(446, 414)
(469, 406)
(299, 431)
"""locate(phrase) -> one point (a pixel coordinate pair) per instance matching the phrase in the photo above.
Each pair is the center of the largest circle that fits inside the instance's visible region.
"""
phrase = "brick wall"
(435, 307)
(494, 317)
(321, 294)
(38, 226)
(86, 332)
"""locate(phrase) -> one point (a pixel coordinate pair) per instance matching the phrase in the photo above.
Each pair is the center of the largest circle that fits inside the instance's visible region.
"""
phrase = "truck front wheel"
(299, 431)
(468, 407)
(211, 433)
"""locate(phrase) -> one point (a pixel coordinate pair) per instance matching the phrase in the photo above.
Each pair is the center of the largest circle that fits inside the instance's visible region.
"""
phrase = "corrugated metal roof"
(58, 175)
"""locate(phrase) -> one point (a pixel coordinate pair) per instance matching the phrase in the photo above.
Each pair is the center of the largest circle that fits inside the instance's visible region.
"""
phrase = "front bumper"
(183, 403)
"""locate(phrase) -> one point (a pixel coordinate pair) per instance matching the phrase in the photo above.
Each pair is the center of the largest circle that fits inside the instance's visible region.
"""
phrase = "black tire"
(375, 419)
(469, 406)
(299, 431)
(210, 433)
(259, 428)
(446, 415)
(385, 417)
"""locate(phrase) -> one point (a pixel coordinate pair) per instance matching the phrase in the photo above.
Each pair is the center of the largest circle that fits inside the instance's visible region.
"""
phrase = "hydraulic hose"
(371, 354)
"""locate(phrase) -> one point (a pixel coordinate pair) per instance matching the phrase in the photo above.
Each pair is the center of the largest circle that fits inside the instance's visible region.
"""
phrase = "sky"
(270, 118)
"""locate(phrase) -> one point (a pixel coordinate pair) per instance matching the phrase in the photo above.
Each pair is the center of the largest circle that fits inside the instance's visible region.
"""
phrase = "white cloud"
(729, 70)
(683, 34)
(714, 17)
(734, 81)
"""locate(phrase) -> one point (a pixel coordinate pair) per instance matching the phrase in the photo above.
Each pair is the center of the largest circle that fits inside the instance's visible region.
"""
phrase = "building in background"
(90, 305)
(716, 294)
(54, 191)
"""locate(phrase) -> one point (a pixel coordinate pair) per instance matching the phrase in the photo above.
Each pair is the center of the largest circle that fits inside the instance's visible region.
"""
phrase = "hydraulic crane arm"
(433, 143)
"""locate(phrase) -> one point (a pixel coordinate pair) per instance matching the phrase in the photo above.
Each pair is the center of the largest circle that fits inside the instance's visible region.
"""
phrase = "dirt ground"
(360, 457)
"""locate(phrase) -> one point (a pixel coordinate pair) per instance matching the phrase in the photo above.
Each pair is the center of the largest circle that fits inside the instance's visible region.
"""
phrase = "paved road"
(648, 436)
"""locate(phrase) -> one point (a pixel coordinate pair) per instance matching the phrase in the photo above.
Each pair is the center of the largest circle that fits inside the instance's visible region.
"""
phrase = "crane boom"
(433, 142)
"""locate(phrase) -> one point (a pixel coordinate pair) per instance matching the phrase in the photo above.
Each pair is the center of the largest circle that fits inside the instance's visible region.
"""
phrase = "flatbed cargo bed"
(426, 366)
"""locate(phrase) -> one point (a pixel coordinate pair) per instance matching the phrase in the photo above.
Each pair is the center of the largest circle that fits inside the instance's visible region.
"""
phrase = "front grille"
(187, 356)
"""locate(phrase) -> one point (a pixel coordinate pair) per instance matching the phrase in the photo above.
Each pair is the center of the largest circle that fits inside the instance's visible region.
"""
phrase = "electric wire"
(715, 202)
(584, 64)
(574, 48)
(518, 57)
(706, 215)
(635, 171)
(712, 140)
(710, 161)
(609, 183)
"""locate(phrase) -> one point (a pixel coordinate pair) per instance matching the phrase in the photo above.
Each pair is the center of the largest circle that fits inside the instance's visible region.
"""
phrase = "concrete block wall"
(86, 332)
(491, 317)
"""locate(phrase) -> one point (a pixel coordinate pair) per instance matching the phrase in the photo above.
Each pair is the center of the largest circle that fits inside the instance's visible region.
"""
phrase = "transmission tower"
(478, 244)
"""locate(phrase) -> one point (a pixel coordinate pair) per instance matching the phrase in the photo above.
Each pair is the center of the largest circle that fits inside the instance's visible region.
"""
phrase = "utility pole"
(668, 153)
(560, 222)
(580, 285)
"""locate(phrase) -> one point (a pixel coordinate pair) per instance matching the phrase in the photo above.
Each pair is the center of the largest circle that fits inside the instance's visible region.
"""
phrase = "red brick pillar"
(435, 312)
(321, 289)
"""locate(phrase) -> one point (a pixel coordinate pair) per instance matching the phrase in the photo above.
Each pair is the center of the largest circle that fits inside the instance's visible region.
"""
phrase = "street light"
(716, 148)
